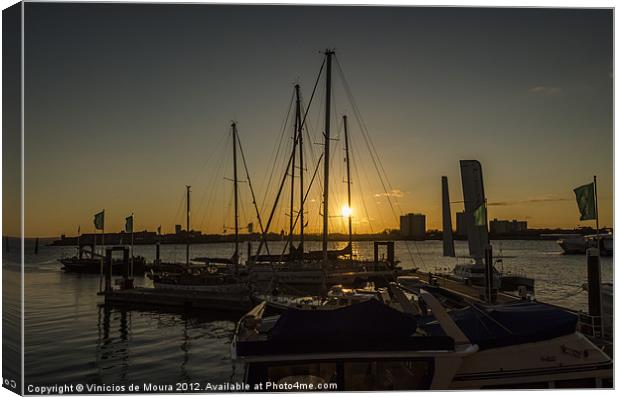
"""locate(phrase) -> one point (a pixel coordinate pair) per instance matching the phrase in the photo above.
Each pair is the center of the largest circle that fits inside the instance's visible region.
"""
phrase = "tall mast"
(290, 230)
(301, 170)
(328, 97)
(187, 235)
(346, 149)
(236, 254)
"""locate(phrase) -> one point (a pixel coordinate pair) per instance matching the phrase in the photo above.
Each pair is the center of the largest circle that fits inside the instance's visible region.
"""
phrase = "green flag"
(99, 220)
(586, 201)
(480, 216)
(129, 224)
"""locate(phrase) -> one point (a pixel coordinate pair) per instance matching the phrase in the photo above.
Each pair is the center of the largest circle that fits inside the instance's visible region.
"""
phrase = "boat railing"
(590, 325)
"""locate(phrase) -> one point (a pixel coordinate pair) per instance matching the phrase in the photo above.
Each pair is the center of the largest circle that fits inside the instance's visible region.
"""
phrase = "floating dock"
(160, 297)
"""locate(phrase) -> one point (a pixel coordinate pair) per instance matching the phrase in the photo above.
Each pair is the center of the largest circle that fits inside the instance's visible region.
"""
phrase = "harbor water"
(71, 338)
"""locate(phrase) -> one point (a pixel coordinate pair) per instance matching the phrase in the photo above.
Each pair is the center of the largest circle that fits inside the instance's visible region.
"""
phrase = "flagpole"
(131, 251)
(598, 238)
(103, 235)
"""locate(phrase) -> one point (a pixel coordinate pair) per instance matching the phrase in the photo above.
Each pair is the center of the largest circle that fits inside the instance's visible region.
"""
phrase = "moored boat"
(370, 346)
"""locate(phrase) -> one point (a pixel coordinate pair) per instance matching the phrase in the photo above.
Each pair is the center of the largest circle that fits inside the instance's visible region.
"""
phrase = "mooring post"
(376, 246)
(127, 263)
(108, 270)
(157, 252)
(390, 253)
(594, 288)
(490, 297)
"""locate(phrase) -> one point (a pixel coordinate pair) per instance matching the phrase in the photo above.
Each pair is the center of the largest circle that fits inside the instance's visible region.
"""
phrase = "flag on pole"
(586, 201)
(251, 227)
(99, 220)
(159, 229)
(78, 230)
(480, 215)
(129, 224)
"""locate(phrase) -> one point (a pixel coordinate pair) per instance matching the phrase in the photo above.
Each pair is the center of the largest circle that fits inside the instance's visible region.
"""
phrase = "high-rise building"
(507, 227)
(413, 226)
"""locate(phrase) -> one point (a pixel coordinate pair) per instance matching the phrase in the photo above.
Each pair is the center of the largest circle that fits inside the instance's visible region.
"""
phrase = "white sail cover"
(448, 239)
(473, 196)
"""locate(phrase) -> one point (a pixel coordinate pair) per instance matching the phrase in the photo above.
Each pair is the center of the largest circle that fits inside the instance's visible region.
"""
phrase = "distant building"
(177, 229)
(413, 225)
(461, 226)
(507, 227)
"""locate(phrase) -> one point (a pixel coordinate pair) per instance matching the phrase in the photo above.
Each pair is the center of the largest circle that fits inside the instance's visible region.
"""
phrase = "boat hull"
(93, 266)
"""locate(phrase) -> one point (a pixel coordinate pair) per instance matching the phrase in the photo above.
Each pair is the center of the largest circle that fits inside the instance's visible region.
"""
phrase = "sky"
(127, 104)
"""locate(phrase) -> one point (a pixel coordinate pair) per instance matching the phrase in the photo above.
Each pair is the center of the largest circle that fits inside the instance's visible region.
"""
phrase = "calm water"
(70, 338)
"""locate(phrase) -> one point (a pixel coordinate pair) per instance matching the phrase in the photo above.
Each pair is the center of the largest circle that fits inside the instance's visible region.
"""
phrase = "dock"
(159, 297)
(471, 292)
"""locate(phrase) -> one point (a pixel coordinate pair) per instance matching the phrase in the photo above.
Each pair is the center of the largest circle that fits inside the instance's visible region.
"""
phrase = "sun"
(346, 211)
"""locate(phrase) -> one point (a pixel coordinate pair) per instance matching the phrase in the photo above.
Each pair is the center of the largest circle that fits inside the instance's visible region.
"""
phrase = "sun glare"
(346, 211)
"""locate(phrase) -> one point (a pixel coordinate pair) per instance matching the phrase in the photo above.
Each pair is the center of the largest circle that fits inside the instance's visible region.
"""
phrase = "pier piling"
(594, 287)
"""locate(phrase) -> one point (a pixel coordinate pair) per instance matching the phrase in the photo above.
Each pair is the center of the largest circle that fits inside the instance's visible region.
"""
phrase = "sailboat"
(88, 260)
(325, 267)
(220, 279)
(480, 251)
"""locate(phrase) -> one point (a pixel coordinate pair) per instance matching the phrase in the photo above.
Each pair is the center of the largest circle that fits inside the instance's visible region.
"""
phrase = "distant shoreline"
(196, 237)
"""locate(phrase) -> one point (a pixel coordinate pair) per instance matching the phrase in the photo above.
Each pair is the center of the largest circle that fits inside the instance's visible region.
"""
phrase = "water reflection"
(192, 334)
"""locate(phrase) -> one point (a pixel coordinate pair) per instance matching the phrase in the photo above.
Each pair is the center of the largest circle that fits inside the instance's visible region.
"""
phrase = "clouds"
(392, 193)
(532, 200)
(545, 90)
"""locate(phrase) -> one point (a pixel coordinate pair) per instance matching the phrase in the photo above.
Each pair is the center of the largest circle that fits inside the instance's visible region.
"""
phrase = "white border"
(461, 3)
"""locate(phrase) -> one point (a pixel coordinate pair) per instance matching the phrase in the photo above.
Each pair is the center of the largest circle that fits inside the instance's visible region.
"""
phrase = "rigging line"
(179, 209)
(308, 137)
(204, 202)
(371, 149)
(216, 186)
(277, 151)
(247, 174)
(359, 188)
(289, 240)
(275, 205)
(290, 159)
(373, 153)
(304, 119)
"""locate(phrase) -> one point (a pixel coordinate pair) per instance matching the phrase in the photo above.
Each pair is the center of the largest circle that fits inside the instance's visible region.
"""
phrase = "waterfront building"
(413, 226)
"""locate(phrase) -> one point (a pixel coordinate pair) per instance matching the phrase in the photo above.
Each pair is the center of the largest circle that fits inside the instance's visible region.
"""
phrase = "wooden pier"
(471, 292)
(160, 297)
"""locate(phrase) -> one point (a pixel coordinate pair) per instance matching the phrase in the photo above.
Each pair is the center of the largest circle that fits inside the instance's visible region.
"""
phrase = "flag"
(159, 229)
(129, 224)
(251, 227)
(480, 216)
(586, 201)
(78, 230)
(99, 220)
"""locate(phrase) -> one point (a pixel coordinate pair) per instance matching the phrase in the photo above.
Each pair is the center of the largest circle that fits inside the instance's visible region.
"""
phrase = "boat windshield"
(349, 375)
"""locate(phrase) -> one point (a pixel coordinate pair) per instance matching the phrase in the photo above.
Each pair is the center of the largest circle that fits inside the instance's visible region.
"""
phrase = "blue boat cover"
(369, 326)
(366, 320)
(507, 324)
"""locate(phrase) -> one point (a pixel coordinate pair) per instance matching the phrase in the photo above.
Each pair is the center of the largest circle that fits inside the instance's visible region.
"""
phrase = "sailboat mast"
(301, 169)
(346, 149)
(291, 217)
(328, 96)
(236, 254)
(187, 234)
